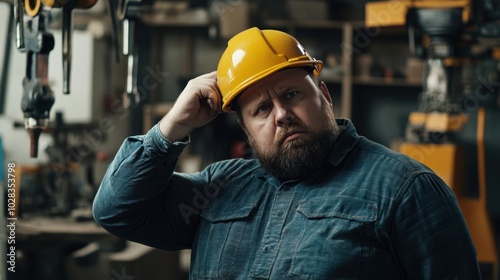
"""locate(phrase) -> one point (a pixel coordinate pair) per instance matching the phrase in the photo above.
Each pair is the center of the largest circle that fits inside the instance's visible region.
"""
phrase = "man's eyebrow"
(288, 88)
(259, 102)
(263, 98)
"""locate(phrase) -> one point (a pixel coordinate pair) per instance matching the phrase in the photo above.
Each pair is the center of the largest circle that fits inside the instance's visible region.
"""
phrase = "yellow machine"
(394, 13)
(448, 30)
(440, 24)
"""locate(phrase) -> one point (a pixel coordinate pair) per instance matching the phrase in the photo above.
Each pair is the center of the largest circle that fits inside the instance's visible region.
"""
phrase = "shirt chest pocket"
(335, 236)
(221, 239)
(342, 207)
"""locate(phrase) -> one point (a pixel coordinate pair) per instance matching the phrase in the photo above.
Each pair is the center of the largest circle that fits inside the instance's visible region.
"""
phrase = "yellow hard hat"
(254, 54)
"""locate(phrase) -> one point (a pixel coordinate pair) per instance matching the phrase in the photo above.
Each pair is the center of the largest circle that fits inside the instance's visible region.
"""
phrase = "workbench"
(52, 247)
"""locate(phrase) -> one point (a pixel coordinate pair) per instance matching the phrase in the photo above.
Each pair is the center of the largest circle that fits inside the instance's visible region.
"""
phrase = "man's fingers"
(216, 101)
(210, 91)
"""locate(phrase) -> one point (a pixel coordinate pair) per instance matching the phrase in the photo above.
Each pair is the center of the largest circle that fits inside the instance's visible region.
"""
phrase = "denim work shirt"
(367, 213)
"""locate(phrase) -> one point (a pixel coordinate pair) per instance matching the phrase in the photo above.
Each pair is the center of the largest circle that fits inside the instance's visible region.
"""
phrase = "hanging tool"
(18, 12)
(33, 8)
(38, 97)
(34, 39)
(128, 12)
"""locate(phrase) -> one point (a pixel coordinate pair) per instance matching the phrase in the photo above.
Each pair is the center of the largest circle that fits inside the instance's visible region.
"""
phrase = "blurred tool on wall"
(127, 11)
(37, 36)
(459, 79)
(33, 38)
(65, 182)
(131, 21)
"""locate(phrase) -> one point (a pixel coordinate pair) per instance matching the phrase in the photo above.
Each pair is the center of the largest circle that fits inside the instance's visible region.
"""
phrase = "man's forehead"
(277, 82)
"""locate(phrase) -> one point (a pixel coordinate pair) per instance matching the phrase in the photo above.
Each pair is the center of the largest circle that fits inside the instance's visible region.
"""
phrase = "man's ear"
(326, 92)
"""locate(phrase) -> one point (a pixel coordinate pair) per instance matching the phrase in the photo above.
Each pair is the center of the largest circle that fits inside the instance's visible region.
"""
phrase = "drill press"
(34, 39)
(450, 32)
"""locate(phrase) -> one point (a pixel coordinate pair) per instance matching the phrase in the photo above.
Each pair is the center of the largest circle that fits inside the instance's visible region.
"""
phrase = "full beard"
(301, 156)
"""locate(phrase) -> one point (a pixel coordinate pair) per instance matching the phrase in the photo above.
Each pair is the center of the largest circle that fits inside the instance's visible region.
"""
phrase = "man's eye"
(262, 108)
(291, 94)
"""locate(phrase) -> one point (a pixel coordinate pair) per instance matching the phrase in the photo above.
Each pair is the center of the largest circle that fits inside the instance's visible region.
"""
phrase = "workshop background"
(420, 77)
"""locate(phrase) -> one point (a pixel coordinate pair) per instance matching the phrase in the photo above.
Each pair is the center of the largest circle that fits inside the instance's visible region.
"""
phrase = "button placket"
(266, 255)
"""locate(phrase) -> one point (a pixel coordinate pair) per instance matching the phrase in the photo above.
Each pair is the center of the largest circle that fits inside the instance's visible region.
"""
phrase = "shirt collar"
(346, 141)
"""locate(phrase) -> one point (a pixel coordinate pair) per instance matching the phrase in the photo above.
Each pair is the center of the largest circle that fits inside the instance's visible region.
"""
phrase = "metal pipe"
(67, 27)
(19, 18)
(128, 36)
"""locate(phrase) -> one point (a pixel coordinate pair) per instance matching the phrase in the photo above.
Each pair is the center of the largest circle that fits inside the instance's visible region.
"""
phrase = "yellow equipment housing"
(393, 13)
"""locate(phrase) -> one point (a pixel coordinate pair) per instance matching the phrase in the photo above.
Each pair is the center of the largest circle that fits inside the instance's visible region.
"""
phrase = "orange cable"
(481, 165)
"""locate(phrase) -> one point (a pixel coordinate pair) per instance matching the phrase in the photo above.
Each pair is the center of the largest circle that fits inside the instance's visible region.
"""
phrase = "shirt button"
(268, 248)
(280, 213)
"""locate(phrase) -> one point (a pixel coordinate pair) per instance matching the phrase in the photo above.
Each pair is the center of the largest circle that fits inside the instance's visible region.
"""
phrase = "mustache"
(288, 129)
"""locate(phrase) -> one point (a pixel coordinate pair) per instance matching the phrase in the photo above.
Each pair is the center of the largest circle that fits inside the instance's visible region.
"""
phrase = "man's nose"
(283, 114)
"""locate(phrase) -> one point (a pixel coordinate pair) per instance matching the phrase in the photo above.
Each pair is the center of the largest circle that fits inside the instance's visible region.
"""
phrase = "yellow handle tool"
(80, 4)
(32, 7)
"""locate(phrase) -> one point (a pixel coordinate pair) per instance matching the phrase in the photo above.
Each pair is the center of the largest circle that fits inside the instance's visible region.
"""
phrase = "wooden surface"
(60, 229)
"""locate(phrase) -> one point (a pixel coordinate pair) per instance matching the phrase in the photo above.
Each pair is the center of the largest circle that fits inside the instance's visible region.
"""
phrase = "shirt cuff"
(157, 145)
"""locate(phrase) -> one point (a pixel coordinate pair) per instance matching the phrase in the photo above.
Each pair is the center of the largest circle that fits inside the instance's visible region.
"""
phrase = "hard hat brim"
(228, 102)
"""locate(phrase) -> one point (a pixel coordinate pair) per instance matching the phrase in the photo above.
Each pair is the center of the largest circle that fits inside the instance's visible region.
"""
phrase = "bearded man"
(318, 201)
